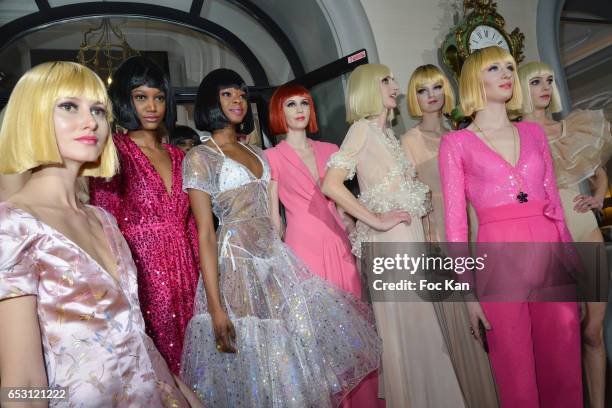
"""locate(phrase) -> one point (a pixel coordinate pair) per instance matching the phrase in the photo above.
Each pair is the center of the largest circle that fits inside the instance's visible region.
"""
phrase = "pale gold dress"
(417, 371)
(584, 145)
(469, 359)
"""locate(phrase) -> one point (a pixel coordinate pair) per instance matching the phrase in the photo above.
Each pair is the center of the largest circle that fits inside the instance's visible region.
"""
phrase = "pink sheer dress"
(91, 327)
(534, 347)
(160, 231)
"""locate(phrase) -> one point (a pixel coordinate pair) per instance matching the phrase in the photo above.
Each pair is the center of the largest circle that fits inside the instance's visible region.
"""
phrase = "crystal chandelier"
(103, 49)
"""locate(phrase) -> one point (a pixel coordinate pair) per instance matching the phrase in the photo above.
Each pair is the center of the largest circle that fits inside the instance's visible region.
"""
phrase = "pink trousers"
(534, 348)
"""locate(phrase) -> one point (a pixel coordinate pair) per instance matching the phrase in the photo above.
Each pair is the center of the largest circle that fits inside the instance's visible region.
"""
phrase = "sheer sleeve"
(106, 193)
(348, 156)
(554, 209)
(584, 145)
(197, 171)
(19, 275)
(452, 178)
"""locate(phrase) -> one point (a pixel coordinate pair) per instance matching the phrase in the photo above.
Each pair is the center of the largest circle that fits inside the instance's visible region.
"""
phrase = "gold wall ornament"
(103, 49)
(482, 26)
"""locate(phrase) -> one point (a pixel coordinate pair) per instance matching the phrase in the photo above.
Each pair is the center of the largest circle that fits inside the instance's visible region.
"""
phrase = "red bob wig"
(278, 124)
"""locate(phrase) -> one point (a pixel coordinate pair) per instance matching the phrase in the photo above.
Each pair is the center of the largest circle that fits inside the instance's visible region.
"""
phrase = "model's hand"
(225, 335)
(388, 220)
(347, 220)
(586, 203)
(476, 314)
(189, 395)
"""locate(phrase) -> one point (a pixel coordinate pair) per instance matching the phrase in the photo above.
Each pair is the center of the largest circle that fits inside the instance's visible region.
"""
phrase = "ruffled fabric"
(584, 145)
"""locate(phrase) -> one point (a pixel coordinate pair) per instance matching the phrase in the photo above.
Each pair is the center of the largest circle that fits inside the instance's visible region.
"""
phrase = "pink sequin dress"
(160, 231)
(534, 347)
(91, 327)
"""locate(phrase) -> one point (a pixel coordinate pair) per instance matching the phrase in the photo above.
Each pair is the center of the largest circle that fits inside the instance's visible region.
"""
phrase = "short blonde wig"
(364, 97)
(27, 135)
(531, 70)
(471, 87)
(421, 76)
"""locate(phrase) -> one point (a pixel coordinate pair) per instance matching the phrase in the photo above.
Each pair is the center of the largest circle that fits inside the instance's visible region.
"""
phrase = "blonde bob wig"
(471, 87)
(421, 76)
(364, 97)
(27, 135)
(538, 69)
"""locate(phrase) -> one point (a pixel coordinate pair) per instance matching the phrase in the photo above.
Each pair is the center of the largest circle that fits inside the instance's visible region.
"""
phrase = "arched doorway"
(267, 42)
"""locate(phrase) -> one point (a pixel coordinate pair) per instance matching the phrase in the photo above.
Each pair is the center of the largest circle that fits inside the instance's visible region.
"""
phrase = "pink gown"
(534, 347)
(161, 233)
(316, 233)
(91, 327)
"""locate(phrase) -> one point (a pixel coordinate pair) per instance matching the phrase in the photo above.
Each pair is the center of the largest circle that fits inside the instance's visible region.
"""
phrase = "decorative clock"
(481, 27)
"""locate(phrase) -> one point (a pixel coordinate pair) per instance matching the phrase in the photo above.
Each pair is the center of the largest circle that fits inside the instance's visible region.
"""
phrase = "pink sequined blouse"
(470, 169)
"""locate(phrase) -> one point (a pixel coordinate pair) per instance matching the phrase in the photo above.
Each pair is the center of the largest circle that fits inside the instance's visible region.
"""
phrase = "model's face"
(233, 104)
(297, 112)
(498, 81)
(430, 96)
(186, 145)
(540, 90)
(150, 104)
(389, 89)
(81, 128)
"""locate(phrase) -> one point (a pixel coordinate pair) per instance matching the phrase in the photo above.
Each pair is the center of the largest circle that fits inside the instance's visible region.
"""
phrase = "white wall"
(409, 33)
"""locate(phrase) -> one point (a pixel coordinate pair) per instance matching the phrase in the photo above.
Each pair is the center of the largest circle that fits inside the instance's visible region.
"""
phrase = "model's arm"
(550, 186)
(452, 180)
(275, 217)
(347, 220)
(21, 358)
(21, 355)
(342, 165)
(207, 244)
(334, 188)
(599, 183)
(189, 395)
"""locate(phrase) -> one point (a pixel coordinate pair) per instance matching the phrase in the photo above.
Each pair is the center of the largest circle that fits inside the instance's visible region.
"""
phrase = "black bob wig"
(132, 73)
(207, 113)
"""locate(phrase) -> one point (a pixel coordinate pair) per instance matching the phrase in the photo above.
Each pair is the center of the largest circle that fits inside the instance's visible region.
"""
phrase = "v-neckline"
(303, 164)
(499, 156)
(225, 157)
(108, 241)
(170, 193)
